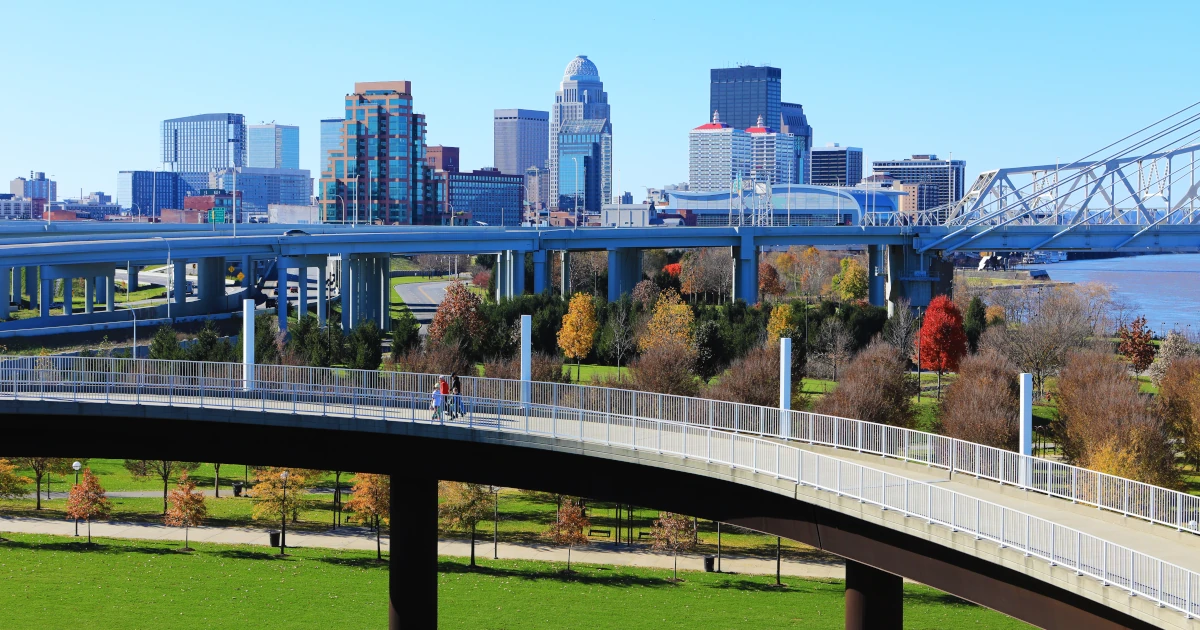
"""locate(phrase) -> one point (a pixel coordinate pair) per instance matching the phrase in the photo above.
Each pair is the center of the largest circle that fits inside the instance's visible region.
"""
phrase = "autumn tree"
(788, 264)
(271, 502)
(850, 283)
(187, 508)
(674, 533)
(463, 505)
(670, 323)
(875, 388)
(578, 331)
(942, 341)
(1175, 346)
(459, 313)
(768, 280)
(645, 293)
(779, 325)
(41, 466)
(370, 503)
(1178, 404)
(568, 527)
(87, 501)
(983, 404)
(753, 378)
(1136, 344)
(161, 468)
(12, 485)
(1049, 325)
(663, 369)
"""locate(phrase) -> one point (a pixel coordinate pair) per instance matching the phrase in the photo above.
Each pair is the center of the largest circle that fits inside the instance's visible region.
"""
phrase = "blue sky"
(997, 84)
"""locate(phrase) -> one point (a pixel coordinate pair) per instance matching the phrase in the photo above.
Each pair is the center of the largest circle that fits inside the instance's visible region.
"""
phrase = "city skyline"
(661, 92)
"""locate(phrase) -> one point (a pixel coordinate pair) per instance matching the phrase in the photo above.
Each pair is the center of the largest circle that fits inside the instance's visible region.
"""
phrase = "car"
(295, 233)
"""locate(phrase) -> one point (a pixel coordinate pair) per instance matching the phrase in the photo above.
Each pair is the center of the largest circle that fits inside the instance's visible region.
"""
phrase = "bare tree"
(982, 404)
(834, 345)
(1052, 323)
(901, 328)
(621, 328)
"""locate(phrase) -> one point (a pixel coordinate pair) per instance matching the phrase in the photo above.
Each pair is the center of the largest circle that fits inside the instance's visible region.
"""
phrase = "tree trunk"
(472, 544)
(37, 491)
(568, 558)
(378, 545)
(89, 522)
(185, 537)
(217, 480)
(676, 566)
(165, 481)
(939, 384)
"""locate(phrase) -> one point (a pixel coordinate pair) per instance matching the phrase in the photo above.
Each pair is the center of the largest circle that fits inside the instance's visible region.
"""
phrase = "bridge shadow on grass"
(83, 546)
(585, 577)
(797, 585)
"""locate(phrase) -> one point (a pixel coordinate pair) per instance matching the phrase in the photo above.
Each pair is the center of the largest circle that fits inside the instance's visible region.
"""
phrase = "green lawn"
(48, 581)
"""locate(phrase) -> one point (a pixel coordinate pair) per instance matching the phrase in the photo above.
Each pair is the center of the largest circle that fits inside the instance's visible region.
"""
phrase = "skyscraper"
(521, 139)
(194, 145)
(273, 146)
(718, 154)
(146, 193)
(585, 167)
(744, 93)
(36, 187)
(581, 97)
(379, 171)
(796, 123)
(945, 177)
(331, 141)
(835, 165)
(772, 155)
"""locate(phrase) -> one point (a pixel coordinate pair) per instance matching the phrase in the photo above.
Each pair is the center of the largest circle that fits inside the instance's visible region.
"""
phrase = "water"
(1163, 287)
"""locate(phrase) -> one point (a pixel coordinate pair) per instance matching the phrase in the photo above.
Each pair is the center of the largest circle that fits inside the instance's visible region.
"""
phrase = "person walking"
(444, 390)
(435, 404)
(456, 405)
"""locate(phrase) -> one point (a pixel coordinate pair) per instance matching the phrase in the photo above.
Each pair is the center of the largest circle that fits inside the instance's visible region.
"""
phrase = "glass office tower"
(273, 146)
(331, 141)
(581, 97)
(195, 145)
(744, 93)
(584, 150)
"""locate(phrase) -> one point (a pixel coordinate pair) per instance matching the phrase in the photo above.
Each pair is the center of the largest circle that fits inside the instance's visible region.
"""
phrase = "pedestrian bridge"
(1051, 544)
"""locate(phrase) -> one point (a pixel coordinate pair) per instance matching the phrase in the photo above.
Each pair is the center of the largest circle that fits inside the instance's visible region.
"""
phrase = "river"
(1163, 287)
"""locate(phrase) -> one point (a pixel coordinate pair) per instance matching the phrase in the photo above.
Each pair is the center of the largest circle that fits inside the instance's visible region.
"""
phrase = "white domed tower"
(581, 97)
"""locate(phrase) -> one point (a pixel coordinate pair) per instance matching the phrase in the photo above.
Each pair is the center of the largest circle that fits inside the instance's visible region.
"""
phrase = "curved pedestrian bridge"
(1051, 544)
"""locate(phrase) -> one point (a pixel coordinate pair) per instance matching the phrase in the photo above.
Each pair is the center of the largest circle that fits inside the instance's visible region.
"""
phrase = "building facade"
(796, 123)
(15, 207)
(483, 196)
(37, 187)
(585, 166)
(944, 178)
(772, 155)
(522, 139)
(260, 187)
(146, 193)
(379, 173)
(214, 205)
(193, 146)
(745, 93)
(835, 165)
(718, 155)
(581, 97)
(790, 204)
(537, 188)
(331, 140)
(273, 146)
(440, 158)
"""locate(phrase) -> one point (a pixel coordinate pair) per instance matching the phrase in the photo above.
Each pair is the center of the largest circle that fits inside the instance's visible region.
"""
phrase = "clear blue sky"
(997, 84)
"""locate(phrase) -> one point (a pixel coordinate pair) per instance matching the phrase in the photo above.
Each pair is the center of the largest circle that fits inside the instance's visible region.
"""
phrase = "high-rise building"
(440, 158)
(146, 193)
(581, 97)
(835, 165)
(260, 187)
(745, 93)
(522, 139)
(772, 155)
(195, 145)
(331, 141)
(37, 187)
(718, 155)
(945, 176)
(273, 146)
(796, 123)
(379, 172)
(482, 196)
(585, 165)
(537, 188)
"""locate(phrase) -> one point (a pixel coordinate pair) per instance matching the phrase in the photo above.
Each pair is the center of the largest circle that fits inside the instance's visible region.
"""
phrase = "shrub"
(434, 358)
(1178, 403)
(406, 332)
(364, 346)
(482, 279)
(983, 404)
(754, 378)
(547, 368)
(665, 369)
(875, 387)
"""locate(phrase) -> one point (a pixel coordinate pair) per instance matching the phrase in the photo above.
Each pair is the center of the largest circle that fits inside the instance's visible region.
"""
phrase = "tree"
(943, 343)
(578, 331)
(983, 404)
(834, 344)
(768, 280)
(645, 293)
(87, 501)
(12, 485)
(364, 346)
(459, 311)
(780, 323)
(1175, 346)
(161, 468)
(1178, 404)
(901, 328)
(370, 503)
(1136, 345)
(875, 388)
(40, 467)
(1049, 325)
(406, 333)
(568, 527)
(270, 500)
(664, 369)
(975, 322)
(463, 505)
(674, 533)
(621, 341)
(670, 323)
(851, 282)
(187, 508)
(165, 345)
(266, 348)
(209, 346)
(753, 379)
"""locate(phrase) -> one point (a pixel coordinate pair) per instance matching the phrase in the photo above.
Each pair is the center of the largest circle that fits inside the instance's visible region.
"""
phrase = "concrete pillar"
(31, 286)
(102, 289)
(876, 279)
(874, 598)
(5, 288)
(47, 295)
(110, 292)
(785, 378)
(518, 272)
(564, 280)
(302, 297)
(345, 286)
(210, 280)
(281, 295)
(131, 276)
(89, 294)
(1026, 431)
(412, 572)
(247, 272)
(322, 297)
(624, 271)
(615, 270)
(179, 282)
(385, 290)
(248, 343)
(745, 271)
(68, 298)
(501, 276)
(539, 271)
(15, 285)
(526, 356)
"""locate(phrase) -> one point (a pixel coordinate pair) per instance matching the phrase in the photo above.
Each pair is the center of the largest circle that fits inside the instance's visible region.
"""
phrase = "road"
(422, 299)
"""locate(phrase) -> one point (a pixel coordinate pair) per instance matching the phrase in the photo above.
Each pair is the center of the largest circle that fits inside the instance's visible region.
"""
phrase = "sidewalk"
(362, 539)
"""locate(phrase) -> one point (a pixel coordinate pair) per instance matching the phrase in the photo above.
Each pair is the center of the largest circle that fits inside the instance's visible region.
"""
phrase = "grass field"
(48, 581)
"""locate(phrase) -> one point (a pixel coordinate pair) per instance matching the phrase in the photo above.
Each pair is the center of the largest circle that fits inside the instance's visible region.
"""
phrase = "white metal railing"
(405, 397)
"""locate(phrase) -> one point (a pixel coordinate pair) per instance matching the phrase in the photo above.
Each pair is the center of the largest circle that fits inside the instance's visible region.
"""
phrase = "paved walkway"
(362, 539)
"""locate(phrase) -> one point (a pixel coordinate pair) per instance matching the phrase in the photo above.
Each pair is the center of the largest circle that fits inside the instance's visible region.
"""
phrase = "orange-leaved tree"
(779, 324)
(12, 485)
(87, 501)
(670, 323)
(164, 469)
(943, 342)
(578, 331)
(460, 313)
(186, 507)
(568, 527)
(371, 503)
(674, 533)
(1136, 345)
(768, 280)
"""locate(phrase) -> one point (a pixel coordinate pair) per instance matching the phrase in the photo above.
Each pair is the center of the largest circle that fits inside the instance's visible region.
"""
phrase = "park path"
(361, 539)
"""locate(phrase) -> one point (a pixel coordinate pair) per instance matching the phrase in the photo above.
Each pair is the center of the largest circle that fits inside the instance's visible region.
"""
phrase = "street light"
(76, 466)
(496, 523)
(336, 197)
(283, 520)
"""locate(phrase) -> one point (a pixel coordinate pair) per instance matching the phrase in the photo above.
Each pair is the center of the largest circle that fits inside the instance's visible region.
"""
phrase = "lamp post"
(335, 198)
(496, 523)
(283, 520)
(76, 466)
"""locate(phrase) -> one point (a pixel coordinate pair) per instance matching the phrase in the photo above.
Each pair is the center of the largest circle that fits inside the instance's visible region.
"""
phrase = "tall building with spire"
(718, 155)
(580, 139)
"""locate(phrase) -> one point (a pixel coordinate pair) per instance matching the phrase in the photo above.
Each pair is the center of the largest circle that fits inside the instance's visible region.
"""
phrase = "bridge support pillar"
(110, 292)
(131, 276)
(539, 271)
(101, 290)
(413, 564)
(874, 598)
(47, 295)
(624, 271)
(517, 260)
(247, 272)
(68, 297)
(346, 290)
(31, 286)
(302, 293)
(745, 270)
(210, 280)
(281, 295)
(322, 297)
(89, 294)
(564, 280)
(179, 282)
(5, 287)
(876, 276)
(500, 275)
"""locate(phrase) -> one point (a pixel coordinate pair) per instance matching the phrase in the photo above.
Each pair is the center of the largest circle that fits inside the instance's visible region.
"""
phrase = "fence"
(406, 397)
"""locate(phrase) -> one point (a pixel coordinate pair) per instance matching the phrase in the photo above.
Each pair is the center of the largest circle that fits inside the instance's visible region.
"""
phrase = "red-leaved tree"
(460, 312)
(673, 269)
(943, 341)
(87, 501)
(768, 280)
(1136, 345)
